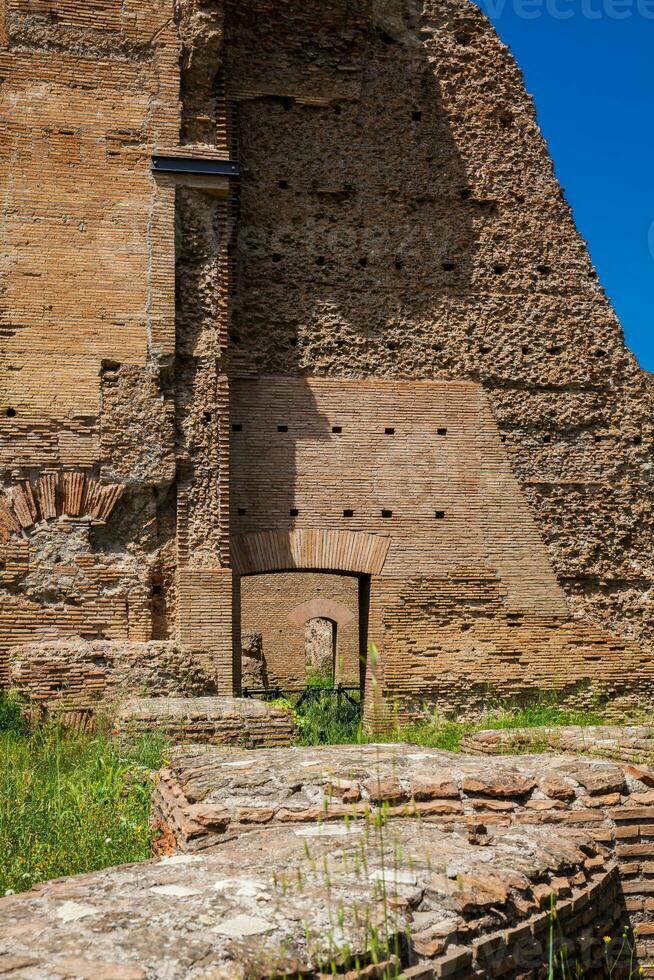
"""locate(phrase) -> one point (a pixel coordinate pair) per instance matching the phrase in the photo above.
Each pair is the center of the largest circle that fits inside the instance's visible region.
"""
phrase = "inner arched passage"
(300, 626)
(283, 580)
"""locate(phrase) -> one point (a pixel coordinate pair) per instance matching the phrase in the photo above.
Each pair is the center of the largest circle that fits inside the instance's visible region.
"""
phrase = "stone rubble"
(87, 676)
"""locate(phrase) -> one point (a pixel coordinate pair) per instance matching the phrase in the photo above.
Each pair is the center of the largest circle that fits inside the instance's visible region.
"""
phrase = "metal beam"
(194, 165)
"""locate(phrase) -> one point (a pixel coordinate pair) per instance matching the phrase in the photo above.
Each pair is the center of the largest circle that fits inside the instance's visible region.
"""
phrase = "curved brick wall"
(202, 803)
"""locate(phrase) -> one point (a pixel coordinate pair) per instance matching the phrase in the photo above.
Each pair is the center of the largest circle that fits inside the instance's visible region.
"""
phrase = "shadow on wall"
(264, 450)
(355, 207)
(264, 484)
(355, 212)
(297, 626)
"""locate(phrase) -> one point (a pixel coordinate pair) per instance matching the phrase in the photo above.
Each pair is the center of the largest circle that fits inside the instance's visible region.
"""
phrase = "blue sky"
(592, 78)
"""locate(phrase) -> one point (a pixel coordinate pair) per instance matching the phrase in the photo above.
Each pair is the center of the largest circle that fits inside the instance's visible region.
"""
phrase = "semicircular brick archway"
(354, 552)
(320, 608)
(53, 495)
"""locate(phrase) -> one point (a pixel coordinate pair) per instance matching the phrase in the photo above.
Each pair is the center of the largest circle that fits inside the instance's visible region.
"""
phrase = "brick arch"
(320, 608)
(311, 549)
(55, 495)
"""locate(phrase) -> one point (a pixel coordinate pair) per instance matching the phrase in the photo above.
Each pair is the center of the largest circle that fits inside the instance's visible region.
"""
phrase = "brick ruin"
(297, 328)
(279, 868)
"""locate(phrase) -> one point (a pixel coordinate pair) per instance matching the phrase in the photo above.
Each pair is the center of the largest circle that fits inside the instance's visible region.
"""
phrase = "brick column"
(205, 622)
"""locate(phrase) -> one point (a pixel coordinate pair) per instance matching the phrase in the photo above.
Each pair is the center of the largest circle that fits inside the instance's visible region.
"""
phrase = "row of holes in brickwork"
(336, 429)
(637, 440)
(439, 515)
(363, 261)
(390, 431)
(547, 439)
(551, 351)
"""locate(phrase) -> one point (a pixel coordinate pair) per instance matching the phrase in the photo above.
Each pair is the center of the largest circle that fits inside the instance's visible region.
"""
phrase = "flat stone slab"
(219, 721)
(207, 795)
(295, 901)
(627, 743)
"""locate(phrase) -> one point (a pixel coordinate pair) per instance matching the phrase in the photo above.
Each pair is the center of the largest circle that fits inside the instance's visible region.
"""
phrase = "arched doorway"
(321, 650)
(271, 609)
(298, 627)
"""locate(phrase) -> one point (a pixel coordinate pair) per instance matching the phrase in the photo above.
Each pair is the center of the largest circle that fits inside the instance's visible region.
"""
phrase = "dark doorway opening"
(295, 629)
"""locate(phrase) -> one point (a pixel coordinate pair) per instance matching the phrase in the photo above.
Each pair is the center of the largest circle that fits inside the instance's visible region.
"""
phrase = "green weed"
(70, 803)
(323, 719)
(542, 712)
(11, 716)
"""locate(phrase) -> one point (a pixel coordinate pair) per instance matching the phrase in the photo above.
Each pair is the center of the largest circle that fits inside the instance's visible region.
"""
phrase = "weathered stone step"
(217, 721)
(290, 901)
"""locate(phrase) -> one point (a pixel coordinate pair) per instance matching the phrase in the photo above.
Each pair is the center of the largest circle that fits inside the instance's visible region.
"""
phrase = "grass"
(321, 721)
(543, 712)
(69, 803)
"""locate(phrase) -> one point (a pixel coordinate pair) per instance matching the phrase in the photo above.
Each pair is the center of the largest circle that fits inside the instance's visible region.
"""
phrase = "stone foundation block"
(216, 721)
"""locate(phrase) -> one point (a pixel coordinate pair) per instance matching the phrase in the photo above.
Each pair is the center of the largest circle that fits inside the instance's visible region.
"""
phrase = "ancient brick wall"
(398, 255)
(75, 676)
(401, 218)
(466, 651)
(418, 463)
(89, 90)
(268, 605)
(465, 606)
(81, 124)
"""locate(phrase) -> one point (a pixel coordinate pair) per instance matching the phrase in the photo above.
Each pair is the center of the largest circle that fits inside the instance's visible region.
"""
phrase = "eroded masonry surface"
(623, 743)
(288, 862)
(301, 352)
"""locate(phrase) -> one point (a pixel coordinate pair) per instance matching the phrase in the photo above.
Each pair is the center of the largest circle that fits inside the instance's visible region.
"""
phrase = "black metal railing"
(325, 715)
(305, 694)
